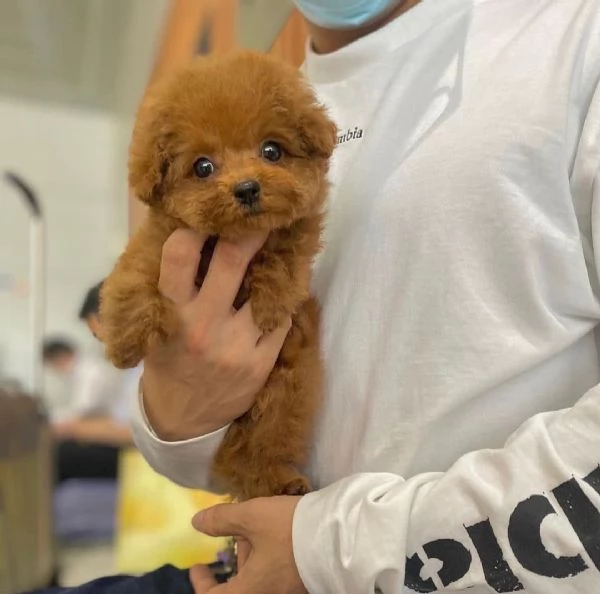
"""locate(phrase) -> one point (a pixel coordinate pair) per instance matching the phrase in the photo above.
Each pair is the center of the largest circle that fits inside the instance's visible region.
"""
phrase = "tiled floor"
(84, 563)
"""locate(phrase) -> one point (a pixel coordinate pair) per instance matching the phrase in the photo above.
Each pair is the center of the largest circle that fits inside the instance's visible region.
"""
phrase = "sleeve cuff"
(187, 463)
(332, 552)
(314, 561)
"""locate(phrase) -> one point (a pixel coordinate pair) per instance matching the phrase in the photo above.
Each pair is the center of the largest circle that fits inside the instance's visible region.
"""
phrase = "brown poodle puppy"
(229, 146)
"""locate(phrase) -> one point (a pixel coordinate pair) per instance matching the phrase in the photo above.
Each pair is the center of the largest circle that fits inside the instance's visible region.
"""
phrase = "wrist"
(170, 413)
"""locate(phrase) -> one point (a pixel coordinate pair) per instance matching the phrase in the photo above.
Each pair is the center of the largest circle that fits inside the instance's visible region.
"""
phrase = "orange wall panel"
(291, 42)
(223, 25)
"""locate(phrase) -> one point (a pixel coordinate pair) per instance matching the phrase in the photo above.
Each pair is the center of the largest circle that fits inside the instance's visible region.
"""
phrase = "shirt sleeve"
(522, 518)
(187, 463)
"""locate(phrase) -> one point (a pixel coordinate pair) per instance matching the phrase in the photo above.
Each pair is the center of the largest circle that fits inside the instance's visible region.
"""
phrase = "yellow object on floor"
(154, 515)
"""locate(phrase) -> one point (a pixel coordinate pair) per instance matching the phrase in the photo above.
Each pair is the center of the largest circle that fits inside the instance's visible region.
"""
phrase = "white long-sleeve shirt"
(461, 299)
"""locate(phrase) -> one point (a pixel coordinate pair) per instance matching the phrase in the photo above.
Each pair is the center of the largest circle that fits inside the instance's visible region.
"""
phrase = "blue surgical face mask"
(344, 14)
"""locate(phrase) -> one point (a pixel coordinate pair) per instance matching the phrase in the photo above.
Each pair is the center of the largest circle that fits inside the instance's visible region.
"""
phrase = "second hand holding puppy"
(208, 374)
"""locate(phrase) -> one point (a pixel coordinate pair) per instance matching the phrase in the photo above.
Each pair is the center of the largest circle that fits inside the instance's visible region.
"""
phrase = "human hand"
(63, 430)
(209, 374)
(99, 430)
(265, 554)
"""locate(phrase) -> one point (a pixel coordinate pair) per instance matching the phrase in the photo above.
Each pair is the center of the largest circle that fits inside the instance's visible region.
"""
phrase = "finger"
(179, 265)
(243, 552)
(203, 581)
(269, 346)
(225, 519)
(225, 274)
(244, 326)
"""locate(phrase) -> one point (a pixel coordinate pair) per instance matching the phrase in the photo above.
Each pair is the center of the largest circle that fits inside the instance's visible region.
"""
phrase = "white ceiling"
(75, 51)
(65, 51)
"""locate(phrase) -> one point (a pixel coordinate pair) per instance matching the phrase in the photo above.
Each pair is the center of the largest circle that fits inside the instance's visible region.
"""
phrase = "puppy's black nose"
(247, 192)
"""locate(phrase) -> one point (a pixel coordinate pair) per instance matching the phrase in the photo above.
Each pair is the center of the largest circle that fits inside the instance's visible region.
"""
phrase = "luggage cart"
(37, 279)
(27, 548)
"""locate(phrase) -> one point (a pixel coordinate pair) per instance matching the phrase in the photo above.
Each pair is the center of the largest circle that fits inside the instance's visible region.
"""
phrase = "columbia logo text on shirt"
(350, 135)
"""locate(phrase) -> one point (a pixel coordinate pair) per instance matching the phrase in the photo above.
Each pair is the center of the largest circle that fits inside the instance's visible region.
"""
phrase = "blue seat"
(85, 509)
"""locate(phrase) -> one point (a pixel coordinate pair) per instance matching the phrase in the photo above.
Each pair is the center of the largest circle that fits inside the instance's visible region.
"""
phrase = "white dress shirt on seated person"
(88, 390)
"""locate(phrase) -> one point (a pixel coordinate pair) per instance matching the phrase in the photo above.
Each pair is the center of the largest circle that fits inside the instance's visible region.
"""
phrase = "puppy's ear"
(318, 132)
(149, 156)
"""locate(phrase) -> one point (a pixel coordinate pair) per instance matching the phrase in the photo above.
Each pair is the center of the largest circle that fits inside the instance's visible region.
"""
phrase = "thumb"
(226, 519)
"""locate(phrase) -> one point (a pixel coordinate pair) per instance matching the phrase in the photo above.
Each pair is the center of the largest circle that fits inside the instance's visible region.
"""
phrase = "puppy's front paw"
(128, 351)
(268, 316)
(282, 479)
(146, 325)
(295, 487)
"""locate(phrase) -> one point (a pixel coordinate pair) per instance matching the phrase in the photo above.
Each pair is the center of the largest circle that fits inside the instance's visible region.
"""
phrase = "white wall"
(68, 156)
(76, 160)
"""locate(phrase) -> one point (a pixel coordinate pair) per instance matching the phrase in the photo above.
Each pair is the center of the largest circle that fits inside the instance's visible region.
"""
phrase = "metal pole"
(37, 281)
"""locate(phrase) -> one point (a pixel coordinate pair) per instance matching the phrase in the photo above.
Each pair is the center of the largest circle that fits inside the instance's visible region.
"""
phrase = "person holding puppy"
(459, 445)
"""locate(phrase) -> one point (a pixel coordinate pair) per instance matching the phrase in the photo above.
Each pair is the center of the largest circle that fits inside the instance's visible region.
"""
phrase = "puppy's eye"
(203, 167)
(271, 151)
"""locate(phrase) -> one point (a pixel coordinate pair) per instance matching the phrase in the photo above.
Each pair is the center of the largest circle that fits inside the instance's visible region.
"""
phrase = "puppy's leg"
(278, 280)
(133, 313)
(263, 452)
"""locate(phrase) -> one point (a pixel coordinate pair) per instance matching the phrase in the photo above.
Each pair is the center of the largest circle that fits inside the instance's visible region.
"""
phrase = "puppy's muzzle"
(247, 193)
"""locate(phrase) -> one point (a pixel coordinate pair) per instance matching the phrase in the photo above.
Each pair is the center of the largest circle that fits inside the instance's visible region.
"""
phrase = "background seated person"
(114, 429)
(88, 436)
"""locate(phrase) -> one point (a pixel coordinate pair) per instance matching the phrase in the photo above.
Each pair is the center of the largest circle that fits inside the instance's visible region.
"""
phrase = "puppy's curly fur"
(228, 146)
